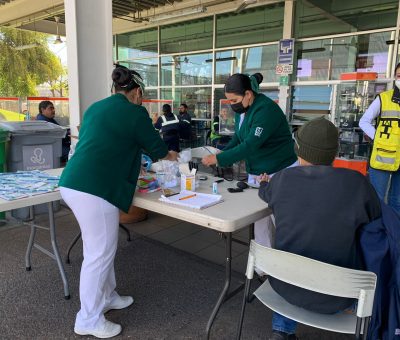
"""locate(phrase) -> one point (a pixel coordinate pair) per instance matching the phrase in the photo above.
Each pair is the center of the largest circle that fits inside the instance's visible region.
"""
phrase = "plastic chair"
(315, 276)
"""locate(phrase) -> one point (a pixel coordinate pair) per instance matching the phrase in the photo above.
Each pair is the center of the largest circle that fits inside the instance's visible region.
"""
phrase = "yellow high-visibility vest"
(386, 150)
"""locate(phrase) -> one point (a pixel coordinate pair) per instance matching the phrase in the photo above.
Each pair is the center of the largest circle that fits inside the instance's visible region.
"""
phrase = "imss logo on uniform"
(258, 131)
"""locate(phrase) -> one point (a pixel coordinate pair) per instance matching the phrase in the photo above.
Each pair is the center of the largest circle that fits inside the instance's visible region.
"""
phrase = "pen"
(186, 197)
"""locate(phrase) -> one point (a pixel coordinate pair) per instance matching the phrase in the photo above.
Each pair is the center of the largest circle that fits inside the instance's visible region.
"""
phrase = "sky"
(60, 50)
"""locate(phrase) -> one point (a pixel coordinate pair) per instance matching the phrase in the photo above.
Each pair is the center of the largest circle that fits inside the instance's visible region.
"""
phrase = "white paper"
(198, 201)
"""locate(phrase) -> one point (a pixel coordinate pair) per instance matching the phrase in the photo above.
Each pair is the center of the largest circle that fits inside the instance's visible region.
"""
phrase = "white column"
(89, 52)
(287, 34)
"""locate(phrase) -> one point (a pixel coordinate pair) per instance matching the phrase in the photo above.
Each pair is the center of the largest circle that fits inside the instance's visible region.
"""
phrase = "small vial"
(215, 188)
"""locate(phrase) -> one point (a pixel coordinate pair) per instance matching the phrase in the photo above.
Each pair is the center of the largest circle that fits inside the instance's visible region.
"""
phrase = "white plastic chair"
(315, 276)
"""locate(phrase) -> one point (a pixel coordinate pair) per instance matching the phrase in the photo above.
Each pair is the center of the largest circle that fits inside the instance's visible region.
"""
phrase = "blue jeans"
(380, 180)
(283, 324)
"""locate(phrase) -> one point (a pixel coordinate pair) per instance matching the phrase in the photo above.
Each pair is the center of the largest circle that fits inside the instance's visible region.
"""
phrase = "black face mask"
(238, 107)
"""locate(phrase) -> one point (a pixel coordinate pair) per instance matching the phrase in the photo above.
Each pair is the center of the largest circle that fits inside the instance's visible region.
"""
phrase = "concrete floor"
(173, 269)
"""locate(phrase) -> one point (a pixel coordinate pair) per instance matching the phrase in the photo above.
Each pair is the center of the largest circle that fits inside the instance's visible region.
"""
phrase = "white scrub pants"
(98, 221)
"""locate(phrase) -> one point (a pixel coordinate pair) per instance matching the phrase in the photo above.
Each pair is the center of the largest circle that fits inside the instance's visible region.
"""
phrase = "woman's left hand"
(209, 160)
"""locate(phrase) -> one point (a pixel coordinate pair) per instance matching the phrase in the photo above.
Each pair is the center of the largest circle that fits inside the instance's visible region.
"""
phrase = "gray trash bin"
(34, 145)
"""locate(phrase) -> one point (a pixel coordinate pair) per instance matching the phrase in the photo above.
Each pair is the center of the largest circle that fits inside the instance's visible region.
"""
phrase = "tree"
(25, 62)
(60, 85)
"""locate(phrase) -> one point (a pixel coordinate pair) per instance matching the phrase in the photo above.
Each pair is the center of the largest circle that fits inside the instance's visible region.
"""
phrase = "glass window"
(309, 102)
(247, 60)
(187, 36)
(329, 58)
(363, 53)
(255, 25)
(138, 44)
(321, 17)
(146, 67)
(193, 69)
(313, 59)
(198, 99)
(150, 94)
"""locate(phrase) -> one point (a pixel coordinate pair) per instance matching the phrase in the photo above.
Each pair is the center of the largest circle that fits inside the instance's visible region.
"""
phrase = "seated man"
(47, 113)
(318, 211)
(168, 125)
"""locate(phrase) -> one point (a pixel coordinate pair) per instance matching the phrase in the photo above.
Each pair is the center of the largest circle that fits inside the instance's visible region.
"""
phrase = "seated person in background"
(318, 211)
(185, 123)
(47, 113)
(168, 125)
(217, 140)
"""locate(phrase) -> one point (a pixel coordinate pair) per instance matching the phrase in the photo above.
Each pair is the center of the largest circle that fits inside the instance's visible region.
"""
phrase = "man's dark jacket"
(380, 244)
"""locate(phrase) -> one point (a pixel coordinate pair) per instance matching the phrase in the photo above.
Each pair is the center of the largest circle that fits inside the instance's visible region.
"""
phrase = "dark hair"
(44, 105)
(240, 83)
(397, 66)
(184, 105)
(124, 79)
(166, 108)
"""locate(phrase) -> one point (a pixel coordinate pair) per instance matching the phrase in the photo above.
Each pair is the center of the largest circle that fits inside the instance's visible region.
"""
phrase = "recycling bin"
(34, 145)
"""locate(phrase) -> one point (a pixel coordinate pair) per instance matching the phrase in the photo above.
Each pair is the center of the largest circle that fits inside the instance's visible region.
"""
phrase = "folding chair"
(315, 276)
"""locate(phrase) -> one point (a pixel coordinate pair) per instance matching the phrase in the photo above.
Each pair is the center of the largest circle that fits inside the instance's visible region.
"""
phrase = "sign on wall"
(285, 52)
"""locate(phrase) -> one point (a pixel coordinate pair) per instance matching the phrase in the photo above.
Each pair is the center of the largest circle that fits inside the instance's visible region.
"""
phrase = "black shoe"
(277, 335)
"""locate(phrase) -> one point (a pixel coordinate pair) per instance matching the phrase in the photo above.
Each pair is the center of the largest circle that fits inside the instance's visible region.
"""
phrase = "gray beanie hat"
(317, 142)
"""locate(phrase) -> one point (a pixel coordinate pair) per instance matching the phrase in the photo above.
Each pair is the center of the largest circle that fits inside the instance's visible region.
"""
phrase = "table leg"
(224, 292)
(55, 250)
(29, 248)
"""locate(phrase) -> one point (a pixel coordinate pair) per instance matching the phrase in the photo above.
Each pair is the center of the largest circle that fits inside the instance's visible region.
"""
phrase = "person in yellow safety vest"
(384, 170)
(218, 140)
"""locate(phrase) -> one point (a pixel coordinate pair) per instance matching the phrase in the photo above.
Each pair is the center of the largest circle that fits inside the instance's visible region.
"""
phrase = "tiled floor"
(202, 242)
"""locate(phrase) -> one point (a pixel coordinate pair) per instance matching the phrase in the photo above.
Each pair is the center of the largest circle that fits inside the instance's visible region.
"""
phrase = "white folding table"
(48, 198)
(237, 211)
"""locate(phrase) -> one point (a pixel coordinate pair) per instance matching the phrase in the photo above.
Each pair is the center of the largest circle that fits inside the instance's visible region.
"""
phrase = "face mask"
(238, 107)
(397, 83)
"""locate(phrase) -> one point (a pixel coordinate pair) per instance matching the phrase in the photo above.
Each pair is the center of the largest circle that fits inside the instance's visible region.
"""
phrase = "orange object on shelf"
(359, 76)
(354, 164)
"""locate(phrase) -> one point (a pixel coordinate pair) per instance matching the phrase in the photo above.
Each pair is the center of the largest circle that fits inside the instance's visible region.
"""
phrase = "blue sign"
(286, 50)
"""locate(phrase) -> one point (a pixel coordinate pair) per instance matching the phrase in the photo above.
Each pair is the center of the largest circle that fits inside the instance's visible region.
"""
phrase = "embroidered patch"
(258, 132)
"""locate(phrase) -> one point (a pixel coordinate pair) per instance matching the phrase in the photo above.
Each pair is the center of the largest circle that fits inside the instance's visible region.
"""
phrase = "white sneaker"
(119, 303)
(107, 329)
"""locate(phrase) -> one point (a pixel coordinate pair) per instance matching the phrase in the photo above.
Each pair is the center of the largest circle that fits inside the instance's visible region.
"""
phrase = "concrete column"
(287, 34)
(89, 52)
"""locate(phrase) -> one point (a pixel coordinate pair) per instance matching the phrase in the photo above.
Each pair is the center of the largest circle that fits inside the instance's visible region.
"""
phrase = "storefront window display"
(191, 69)
(251, 26)
(247, 60)
(187, 36)
(321, 17)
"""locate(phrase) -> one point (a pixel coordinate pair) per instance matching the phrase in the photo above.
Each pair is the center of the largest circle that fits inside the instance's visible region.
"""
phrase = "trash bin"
(34, 145)
(4, 138)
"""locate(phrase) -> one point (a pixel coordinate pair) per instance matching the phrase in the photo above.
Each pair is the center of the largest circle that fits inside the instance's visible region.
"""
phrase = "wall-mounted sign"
(283, 69)
(286, 51)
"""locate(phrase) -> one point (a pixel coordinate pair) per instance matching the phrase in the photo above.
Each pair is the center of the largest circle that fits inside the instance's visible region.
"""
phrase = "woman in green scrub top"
(262, 138)
(98, 181)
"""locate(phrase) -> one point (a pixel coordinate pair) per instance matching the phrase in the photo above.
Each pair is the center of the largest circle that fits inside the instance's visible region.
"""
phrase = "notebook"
(192, 199)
